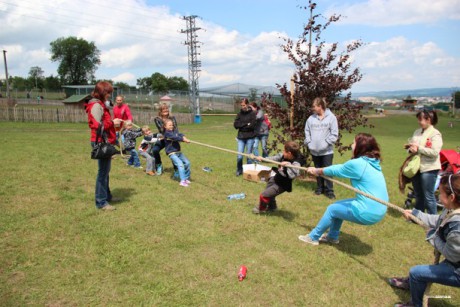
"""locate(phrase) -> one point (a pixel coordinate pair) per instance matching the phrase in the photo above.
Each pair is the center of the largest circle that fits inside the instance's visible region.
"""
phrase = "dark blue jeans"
(421, 275)
(103, 194)
(423, 184)
(134, 158)
(322, 184)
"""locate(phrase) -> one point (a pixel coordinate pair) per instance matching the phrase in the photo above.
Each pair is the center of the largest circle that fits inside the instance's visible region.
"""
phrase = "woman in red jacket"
(98, 114)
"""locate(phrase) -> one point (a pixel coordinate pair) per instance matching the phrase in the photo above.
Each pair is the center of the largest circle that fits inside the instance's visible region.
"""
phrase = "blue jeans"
(134, 158)
(421, 275)
(423, 184)
(263, 140)
(242, 143)
(182, 164)
(333, 218)
(103, 194)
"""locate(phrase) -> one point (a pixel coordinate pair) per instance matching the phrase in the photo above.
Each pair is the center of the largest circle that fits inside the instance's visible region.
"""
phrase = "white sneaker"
(183, 183)
(325, 239)
(308, 240)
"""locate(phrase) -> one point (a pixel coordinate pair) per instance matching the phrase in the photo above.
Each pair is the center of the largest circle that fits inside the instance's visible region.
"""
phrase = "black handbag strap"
(101, 137)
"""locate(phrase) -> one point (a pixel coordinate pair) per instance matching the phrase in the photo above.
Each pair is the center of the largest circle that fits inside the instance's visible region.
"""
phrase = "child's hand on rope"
(258, 158)
(407, 214)
(312, 171)
(185, 140)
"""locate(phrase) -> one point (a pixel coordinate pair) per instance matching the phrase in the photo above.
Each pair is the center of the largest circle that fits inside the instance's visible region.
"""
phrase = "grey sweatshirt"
(445, 239)
(321, 134)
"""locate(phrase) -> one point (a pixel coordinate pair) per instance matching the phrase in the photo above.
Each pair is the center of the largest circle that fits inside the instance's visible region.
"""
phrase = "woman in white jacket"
(426, 142)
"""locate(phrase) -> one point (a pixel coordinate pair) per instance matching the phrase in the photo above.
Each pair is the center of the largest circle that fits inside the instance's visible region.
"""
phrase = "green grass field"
(173, 246)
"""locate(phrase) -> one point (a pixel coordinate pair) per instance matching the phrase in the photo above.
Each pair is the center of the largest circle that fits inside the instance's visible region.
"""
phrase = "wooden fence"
(69, 115)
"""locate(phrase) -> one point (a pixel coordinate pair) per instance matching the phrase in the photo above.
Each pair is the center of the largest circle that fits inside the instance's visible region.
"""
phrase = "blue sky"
(409, 44)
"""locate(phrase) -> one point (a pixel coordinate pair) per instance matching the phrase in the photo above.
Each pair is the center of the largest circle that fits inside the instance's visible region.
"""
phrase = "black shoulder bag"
(102, 149)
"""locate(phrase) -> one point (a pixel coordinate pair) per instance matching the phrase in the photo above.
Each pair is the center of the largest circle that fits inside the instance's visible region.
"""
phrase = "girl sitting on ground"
(444, 235)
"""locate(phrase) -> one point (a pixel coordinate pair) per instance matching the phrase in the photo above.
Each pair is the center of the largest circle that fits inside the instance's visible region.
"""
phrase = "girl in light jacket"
(427, 142)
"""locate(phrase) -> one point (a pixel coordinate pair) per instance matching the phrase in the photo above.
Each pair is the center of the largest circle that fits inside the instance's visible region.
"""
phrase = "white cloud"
(399, 63)
(137, 40)
(125, 77)
(396, 12)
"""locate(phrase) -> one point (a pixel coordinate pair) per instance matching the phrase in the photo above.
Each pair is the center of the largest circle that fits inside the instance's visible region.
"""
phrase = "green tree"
(177, 84)
(321, 71)
(36, 76)
(159, 83)
(52, 83)
(78, 60)
(144, 83)
(252, 94)
(122, 85)
(19, 83)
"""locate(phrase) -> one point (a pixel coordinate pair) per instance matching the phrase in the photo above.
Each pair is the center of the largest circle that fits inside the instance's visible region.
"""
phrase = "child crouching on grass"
(145, 148)
(172, 147)
(280, 178)
(444, 235)
(129, 142)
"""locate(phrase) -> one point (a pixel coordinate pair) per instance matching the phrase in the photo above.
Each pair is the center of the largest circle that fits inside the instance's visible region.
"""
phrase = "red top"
(122, 112)
(98, 113)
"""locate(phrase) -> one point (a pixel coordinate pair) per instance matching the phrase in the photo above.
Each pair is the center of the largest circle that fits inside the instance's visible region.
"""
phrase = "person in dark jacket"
(129, 142)
(245, 122)
(262, 130)
(281, 178)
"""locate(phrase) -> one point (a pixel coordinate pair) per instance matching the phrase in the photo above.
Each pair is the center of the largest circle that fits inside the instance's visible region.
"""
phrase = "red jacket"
(122, 112)
(98, 113)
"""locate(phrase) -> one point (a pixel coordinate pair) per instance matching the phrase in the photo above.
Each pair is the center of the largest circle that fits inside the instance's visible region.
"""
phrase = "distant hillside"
(425, 92)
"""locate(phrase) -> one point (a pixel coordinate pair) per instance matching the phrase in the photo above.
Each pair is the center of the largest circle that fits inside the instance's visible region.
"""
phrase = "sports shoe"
(399, 282)
(408, 304)
(325, 239)
(318, 192)
(183, 183)
(108, 208)
(159, 169)
(330, 195)
(308, 240)
(188, 181)
(151, 173)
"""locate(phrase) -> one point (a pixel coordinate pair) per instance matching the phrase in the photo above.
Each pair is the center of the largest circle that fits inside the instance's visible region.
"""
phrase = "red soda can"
(242, 273)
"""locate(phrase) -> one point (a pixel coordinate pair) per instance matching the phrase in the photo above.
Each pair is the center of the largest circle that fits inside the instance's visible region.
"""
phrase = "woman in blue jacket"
(365, 175)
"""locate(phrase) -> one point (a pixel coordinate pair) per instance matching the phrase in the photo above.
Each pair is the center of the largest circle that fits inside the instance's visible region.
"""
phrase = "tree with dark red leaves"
(320, 71)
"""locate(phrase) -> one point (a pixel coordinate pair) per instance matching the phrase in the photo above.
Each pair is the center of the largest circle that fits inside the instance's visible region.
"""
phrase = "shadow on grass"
(349, 244)
(123, 194)
(287, 215)
(305, 184)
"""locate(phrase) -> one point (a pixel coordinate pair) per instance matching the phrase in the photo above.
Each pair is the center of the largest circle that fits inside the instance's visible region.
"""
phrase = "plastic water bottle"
(236, 196)
(242, 273)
